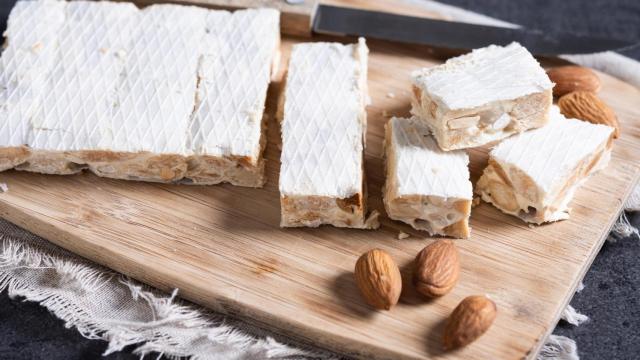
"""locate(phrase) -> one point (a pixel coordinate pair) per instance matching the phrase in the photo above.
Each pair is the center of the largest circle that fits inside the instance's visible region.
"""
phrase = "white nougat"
(236, 66)
(26, 60)
(137, 93)
(534, 175)
(323, 126)
(426, 187)
(486, 95)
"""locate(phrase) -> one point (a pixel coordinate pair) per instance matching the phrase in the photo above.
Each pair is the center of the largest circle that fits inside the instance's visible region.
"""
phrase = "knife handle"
(295, 19)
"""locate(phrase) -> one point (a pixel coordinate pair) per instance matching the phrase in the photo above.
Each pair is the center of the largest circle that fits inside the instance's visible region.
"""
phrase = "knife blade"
(336, 20)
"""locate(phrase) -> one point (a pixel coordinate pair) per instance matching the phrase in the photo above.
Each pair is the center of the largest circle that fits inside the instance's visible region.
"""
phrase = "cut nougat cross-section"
(484, 96)
(426, 187)
(323, 125)
(534, 175)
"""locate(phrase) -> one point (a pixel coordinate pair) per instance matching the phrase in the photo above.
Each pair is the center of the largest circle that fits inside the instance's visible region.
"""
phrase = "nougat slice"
(323, 126)
(227, 134)
(484, 96)
(426, 187)
(534, 175)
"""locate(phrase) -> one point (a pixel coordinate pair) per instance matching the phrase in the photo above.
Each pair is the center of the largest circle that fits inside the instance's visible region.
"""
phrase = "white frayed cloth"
(623, 228)
(573, 317)
(559, 348)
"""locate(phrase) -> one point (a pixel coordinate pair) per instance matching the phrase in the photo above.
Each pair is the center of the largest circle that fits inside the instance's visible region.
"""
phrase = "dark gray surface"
(610, 297)
(28, 331)
(618, 19)
(331, 20)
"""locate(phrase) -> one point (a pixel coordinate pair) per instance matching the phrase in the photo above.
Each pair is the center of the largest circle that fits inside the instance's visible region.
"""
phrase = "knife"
(306, 17)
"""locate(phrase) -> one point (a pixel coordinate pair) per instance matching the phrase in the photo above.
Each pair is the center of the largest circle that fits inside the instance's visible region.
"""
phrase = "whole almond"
(468, 321)
(436, 269)
(378, 278)
(586, 106)
(573, 78)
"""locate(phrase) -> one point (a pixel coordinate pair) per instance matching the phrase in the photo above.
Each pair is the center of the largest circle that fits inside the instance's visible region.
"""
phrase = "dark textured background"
(610, 297)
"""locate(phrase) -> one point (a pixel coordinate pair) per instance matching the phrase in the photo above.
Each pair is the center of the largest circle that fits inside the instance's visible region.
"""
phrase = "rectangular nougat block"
(534, 175)
(323, 123)
(167, 93)
(426, 187)
(227, 132)
(484, 96)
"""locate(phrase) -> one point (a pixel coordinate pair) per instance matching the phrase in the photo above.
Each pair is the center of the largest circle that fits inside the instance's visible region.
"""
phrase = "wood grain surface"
(222, 247)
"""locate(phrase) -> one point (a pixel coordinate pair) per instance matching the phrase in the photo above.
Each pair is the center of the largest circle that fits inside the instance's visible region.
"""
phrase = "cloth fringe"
(559, 348)
(101, 304)
(573, 317)
(622, 229)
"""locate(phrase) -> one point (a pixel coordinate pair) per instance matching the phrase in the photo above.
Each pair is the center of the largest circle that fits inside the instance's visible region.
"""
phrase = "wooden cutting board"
(222, 247)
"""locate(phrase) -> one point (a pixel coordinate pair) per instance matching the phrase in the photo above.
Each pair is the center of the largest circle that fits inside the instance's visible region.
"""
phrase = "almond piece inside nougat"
(323, 126)
(534, 175)
(426, 187)
(484, 96)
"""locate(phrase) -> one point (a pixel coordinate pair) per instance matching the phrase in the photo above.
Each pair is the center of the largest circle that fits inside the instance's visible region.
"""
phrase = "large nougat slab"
(484, 96)
(426, 187)
(168, 93)
(534, 175)
(323, 126)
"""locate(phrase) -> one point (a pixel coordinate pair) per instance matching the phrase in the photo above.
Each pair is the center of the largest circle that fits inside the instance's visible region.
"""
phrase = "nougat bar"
(534, 175)
(483, 96)
(323, 123)
(227, 130)
(426, 187)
